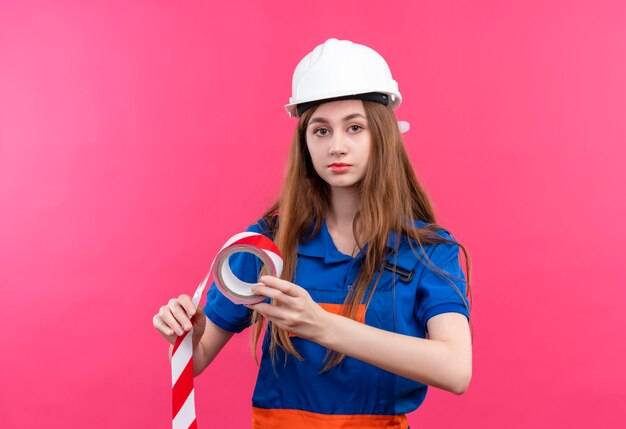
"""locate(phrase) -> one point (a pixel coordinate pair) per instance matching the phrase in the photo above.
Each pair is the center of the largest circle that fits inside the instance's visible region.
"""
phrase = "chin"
(342, 185)
(340, 181)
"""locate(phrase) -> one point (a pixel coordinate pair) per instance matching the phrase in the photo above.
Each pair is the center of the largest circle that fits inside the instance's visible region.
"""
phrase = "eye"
(355, 128)
(321, 132)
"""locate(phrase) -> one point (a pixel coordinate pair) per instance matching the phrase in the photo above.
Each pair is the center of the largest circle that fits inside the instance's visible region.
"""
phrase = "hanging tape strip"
(238, 291)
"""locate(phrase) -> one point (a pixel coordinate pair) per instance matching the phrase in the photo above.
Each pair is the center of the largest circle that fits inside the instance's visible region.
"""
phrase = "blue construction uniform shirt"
(353, 387)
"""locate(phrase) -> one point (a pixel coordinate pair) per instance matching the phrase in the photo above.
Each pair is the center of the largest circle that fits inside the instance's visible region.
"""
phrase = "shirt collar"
(321, 246)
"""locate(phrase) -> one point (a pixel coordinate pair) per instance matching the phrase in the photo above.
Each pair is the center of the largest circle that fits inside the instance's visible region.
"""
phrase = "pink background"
(136, 137)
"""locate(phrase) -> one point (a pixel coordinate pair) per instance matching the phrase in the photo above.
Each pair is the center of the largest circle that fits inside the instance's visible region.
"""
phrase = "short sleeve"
(221, 310)
(438, 294)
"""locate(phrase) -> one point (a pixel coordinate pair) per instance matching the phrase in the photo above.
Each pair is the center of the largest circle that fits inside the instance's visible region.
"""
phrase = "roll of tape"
(227, 282)
(238, 291)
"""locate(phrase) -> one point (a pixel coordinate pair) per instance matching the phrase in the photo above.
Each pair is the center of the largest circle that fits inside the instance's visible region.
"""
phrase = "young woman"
(371, 307)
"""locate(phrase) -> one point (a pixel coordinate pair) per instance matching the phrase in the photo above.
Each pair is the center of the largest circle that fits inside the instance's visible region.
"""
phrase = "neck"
(343, 208)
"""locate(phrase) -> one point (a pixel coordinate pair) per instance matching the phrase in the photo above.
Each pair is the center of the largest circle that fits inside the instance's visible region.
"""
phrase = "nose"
(337, 145)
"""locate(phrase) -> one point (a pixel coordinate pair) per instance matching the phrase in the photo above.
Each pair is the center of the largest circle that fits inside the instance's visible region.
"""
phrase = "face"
(339, 140)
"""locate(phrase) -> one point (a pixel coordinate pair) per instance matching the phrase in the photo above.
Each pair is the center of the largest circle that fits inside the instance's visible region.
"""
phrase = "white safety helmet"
(340, 69)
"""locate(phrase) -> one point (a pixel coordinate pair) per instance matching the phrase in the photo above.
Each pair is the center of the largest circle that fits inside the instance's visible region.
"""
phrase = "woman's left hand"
(294, 309)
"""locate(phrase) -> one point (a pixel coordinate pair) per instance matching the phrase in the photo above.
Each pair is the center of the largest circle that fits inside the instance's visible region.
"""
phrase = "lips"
(339, 167)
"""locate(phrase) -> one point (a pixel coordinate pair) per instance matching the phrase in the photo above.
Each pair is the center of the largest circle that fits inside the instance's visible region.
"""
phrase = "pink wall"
(135, 137)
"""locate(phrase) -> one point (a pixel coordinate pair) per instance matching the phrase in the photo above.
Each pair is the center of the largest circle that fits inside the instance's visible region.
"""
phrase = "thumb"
(199, 324)
(199, 319)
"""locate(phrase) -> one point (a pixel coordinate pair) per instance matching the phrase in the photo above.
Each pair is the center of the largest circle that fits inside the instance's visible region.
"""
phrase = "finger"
(270, 292)
(170, 320)
(180, 314)
(272, 312)
(276, 315)
(161, 326)
(187, 304)
(282, 285)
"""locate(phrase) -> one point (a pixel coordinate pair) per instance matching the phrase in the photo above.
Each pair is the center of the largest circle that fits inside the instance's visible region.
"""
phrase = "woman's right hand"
(177, 317)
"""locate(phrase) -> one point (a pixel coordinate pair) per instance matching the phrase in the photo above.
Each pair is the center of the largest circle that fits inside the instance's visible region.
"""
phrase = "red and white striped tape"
(238, 291)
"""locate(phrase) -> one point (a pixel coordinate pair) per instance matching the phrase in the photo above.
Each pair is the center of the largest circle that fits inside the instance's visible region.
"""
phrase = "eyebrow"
(325, 121)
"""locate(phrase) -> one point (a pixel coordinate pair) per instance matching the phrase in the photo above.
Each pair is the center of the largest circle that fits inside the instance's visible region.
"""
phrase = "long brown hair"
(389, 201)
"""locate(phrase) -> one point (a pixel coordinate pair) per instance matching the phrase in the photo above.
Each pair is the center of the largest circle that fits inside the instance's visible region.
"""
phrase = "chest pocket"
(399, 271)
